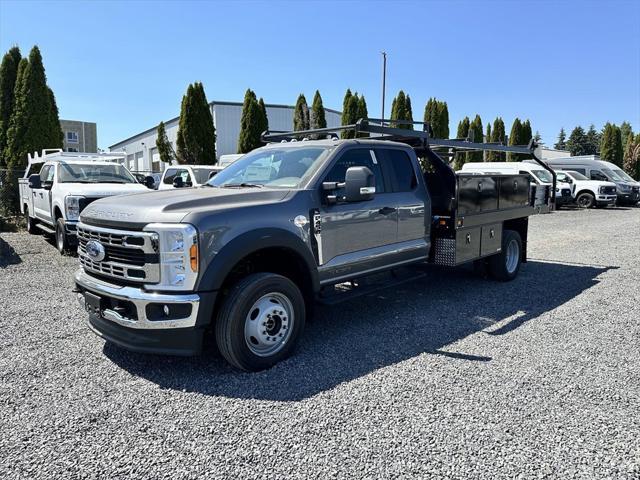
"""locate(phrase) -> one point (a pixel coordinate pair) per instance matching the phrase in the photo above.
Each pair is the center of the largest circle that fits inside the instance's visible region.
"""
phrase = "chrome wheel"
(269, 324)
(512, 257)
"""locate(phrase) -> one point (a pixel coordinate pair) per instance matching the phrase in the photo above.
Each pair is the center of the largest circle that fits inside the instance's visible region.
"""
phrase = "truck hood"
(595, 183)
(99, 190)
(171, 206)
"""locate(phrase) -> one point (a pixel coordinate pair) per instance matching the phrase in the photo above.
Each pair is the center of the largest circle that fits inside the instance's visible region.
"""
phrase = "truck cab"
(244, 257)
(52, 199)
(588, 193)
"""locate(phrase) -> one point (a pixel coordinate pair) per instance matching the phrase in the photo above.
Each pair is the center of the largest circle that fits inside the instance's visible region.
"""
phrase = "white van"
(539, 175)
(627, 189)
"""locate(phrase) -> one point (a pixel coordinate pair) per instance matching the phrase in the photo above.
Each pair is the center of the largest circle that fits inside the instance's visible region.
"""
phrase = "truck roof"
(332, 142)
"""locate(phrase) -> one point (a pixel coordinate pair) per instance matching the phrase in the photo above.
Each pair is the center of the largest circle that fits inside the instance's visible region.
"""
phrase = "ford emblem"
(95, 251)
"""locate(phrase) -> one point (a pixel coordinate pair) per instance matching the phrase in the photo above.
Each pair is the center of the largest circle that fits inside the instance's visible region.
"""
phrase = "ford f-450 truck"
(245, 256)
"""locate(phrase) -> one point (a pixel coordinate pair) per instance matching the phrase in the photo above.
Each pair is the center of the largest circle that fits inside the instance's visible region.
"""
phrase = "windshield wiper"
(242, 185)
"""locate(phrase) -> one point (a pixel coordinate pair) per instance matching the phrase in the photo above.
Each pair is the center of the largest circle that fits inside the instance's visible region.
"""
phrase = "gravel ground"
(451, 376)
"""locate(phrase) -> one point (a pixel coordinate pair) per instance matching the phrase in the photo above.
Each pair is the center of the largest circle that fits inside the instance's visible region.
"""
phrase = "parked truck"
(245, 256)
(52, 200)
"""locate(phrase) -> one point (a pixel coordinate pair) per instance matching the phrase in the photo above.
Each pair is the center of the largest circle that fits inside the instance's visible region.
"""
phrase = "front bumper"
(606, 199)
(628, 198)
(143, 321)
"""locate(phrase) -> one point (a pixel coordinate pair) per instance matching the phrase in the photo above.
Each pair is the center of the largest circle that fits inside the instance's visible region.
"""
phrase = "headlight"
(72, 206)
(179, 256)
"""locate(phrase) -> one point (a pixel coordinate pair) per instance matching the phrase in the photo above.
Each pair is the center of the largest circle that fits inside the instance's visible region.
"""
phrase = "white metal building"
(142, 154)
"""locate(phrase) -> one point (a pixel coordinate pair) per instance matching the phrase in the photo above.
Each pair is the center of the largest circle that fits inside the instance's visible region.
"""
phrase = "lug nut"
(264, 332)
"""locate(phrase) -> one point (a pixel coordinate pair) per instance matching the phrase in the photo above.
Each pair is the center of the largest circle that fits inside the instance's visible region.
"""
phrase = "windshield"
(542, 175)
(577, 176)
(622, 174)
(94, 173)
(272, 167)
(612, 175)
(202, 174)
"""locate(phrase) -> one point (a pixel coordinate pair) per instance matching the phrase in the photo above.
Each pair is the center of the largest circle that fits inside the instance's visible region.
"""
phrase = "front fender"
(247, 243)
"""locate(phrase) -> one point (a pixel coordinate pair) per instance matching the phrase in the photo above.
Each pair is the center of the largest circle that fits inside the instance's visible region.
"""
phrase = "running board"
(343, 292)
(45, 228)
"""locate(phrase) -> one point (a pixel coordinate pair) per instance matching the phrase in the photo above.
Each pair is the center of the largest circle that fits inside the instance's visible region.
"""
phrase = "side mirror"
(359, 184)
(149, 182)
(34, 181)
(178, 182)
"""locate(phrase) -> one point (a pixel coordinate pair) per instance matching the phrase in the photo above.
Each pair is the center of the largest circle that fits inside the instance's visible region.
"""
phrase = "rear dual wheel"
(505, 265)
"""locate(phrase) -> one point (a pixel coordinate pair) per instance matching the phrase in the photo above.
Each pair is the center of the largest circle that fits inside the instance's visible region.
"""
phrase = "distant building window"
(72, 137)
(72, 149)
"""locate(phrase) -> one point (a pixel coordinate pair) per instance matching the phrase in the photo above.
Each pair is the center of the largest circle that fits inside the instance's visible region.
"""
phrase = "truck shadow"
(8, 255)
(352, 339)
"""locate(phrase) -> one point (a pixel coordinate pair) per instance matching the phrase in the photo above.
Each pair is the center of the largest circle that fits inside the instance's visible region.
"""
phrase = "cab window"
(597, 175)
(46, 174)
(169, 175)
(400, 169)
(357, 157)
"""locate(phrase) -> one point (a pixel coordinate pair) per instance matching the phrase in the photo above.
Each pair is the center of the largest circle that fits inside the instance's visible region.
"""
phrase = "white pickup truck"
(588, 193)
(51, 200)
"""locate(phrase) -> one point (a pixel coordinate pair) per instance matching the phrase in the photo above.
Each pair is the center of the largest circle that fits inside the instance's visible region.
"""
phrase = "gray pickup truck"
(245, 256)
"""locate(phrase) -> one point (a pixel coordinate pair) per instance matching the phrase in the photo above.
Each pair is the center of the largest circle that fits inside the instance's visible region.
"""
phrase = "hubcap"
(268, 325)
(512, 256)
(584, 201)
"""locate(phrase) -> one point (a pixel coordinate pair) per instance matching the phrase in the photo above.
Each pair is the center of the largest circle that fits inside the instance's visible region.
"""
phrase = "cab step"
(45, 228)
(342, 292)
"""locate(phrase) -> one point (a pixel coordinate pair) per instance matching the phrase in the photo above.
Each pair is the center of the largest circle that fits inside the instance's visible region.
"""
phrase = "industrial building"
(142, 154)
(79, 136)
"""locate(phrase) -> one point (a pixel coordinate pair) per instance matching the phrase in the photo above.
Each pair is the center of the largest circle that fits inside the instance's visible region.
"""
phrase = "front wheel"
(260, 321)
(62, 239)
(585, 200)
(505, 265)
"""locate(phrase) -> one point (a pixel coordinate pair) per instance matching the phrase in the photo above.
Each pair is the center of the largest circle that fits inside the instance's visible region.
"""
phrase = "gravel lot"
(452, 376)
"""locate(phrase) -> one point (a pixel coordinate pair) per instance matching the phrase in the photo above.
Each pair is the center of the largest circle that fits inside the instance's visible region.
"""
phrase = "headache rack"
(58, 155)
(422, 141)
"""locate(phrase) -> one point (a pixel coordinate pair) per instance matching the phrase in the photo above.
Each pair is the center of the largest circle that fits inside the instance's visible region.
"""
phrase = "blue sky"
(125, 65)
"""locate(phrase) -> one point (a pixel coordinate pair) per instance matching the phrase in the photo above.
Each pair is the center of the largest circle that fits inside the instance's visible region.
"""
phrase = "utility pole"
(384, 78)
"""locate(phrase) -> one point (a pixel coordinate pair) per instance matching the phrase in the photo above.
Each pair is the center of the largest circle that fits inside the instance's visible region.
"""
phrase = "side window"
(579, 170)
(44, 172)
(597, 175)
(186, 177)
(400, 168)
(356, 157)
(169, 176)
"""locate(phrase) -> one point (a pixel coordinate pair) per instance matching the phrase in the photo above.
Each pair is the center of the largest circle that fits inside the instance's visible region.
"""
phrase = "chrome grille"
(130, 256)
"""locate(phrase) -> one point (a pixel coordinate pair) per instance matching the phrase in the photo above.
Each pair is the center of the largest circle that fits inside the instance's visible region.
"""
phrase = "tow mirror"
(149, 182)
(34, 181)
(359, 184)
(178, 182)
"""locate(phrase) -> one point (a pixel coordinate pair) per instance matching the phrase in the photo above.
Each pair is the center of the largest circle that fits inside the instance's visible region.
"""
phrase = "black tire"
(503, 266)
(234, 313)
(31, 222)
(586, 200)
(61, 238)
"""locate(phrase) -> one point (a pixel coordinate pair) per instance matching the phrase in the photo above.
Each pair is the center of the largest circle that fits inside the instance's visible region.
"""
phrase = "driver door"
(354, 237)
(42, 196)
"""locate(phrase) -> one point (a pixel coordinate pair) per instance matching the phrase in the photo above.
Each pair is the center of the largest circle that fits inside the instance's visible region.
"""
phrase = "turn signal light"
(193, 257)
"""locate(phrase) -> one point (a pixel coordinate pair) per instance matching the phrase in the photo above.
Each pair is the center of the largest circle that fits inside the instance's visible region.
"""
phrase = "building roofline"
(211, 104)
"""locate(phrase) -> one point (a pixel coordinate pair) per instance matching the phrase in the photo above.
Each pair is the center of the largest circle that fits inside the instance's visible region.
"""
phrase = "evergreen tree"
(165, 150)
(515, 138)
(592, 141)
(251, 123)
(301, 114)
(538, 138)
(34, 124)
(497, 136)
(626, 132)
(8, 75)
(611, 147)
(363, 113)
(350, 115)
(345, 106)
(401, 110)
(527, 134)
(577, 142)
(431, 114)
(462, 133)
(476, 131)
(264, 119)
(318, 119)
(196, 139)
(487, 139)
(561, 144)
(443, 119)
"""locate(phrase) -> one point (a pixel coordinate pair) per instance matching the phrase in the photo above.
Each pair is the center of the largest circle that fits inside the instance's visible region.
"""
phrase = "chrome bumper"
(140, 299)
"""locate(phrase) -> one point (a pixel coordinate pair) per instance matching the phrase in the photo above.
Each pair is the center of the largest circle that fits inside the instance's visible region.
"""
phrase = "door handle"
(386, 210)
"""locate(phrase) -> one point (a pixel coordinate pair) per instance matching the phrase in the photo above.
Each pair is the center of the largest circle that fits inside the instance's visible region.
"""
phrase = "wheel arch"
(520, 225)
(586, 190)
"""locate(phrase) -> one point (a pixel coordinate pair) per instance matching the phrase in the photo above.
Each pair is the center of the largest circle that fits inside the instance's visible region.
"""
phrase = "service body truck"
(542, 179)
(52, 200)
(244, 257)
